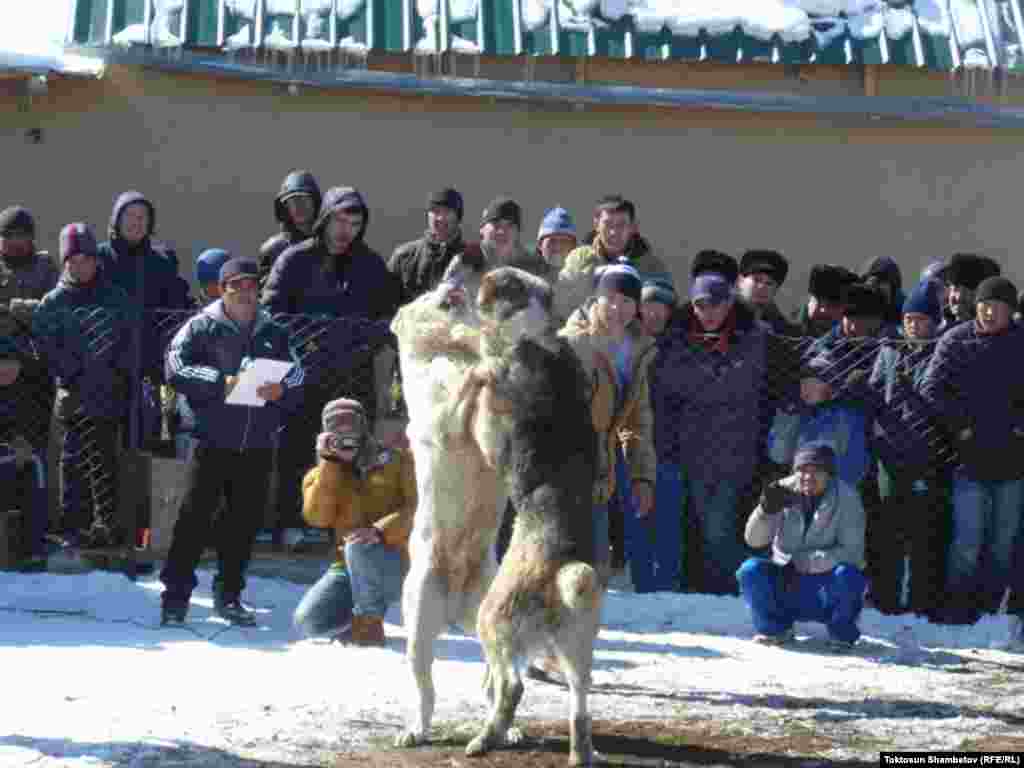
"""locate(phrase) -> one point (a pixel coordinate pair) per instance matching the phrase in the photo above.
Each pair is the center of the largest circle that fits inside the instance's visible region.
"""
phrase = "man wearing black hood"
(420, 264)
(295, 208)
(333, 273)
(884, 273)
(83, 327)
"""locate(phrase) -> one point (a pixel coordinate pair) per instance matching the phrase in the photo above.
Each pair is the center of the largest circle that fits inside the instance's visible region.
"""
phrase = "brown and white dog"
(500, 407)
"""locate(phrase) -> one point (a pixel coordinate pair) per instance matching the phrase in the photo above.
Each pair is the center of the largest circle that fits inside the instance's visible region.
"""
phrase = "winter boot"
(173, 612)
(230, 607)
(368, 631)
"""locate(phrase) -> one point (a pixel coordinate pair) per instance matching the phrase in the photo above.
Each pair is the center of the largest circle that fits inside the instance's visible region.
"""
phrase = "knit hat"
(997, 289)
(766, 262)
(234, 269)
(335, 411)
(817, 453)
(77, 238)
(710, 260)
(711, 285)
(448, 197)
(502, 208)
(16, 221)
(659, 289)
(924, 300)
(969, 270)
(863, 301)
(556, 221)
(619, 277)
(827, 281)
(209, 263)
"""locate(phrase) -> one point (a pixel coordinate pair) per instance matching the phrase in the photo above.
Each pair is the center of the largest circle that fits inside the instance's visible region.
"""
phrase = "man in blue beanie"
(556, 237)
(814, 524)
(911, 447)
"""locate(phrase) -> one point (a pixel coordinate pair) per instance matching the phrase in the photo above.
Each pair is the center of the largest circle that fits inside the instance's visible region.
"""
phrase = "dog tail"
(579, 587)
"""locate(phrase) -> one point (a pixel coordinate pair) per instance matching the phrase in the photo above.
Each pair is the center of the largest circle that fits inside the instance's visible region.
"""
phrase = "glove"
(789, 578)
(327, 446)
(773, 498)
(22, 450)
(856, 378)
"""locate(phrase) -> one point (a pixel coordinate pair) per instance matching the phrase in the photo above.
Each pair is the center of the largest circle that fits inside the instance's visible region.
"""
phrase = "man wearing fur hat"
(824, 305)
(762, 273)
(295, 209)
(814, 524)
(367, 494)
(710, 371)
(964, 273)
(419, 265)
(92, 365)
(972, 384)
(233, 458)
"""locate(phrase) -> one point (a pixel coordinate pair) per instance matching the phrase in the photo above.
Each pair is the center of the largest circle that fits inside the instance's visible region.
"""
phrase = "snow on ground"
(92, 680)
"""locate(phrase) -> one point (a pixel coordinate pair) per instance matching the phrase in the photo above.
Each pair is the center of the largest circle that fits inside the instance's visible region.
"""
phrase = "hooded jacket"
(306, 279)
(629, 423)
(295, 183)
(85, 338)
(834, 537)
(887, 270)
(210, 347)
(712, 403)
(974, 383)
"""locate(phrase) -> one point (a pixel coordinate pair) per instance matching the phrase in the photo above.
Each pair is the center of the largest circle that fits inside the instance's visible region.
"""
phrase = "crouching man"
(233, 450)
(814, 524)
(368, 495)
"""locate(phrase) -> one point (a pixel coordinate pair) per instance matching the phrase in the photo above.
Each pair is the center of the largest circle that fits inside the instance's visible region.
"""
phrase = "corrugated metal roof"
(937, 34)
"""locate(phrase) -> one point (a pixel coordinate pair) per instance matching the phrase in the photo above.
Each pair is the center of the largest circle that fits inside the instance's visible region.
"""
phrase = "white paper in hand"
(253, 376)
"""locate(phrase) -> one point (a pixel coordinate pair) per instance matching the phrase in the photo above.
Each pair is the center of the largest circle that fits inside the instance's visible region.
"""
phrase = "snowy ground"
(90, 679)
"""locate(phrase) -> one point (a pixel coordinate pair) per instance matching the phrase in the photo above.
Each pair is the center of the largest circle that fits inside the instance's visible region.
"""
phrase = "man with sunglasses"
(233, 455)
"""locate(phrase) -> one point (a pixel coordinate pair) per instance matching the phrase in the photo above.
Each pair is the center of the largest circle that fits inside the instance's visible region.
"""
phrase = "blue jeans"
(653, 544)
(834, 598)
(712, 509)
(25, 489)
(986, 517)
(370, 581)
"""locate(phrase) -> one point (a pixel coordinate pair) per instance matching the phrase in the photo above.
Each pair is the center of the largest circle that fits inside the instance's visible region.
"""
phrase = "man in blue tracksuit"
(83, 327)
(233, 455)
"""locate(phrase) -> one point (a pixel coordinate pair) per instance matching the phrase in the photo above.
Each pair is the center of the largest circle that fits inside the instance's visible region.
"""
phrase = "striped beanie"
(336, 411)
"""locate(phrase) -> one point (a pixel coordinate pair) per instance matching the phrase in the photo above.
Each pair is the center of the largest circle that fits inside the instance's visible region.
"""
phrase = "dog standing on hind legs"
(524, 412)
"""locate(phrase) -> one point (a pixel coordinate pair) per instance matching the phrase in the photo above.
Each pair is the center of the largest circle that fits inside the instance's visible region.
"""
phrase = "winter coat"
(845, 420)
(908, 438)
(84, 332)
(306, 279)
(25, 405)
(834, 537)
(712, 404)
(777, 323)
(576, 278)
(419, 265)
(630, 424)
(295, 182)
(385, 498)
(975, 383)
(210, 347)
(31, 278)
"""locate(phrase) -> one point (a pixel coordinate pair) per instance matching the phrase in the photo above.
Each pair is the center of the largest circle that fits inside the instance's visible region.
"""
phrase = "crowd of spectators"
(867, 439)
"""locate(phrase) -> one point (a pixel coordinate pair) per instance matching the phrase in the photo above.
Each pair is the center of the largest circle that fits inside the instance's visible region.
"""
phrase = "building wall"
(211, 154)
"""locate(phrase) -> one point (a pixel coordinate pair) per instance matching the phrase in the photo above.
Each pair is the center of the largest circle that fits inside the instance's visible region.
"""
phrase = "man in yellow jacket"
(367, 494)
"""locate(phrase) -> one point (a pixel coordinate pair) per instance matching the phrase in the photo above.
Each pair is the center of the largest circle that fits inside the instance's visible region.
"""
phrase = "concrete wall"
(211, 154)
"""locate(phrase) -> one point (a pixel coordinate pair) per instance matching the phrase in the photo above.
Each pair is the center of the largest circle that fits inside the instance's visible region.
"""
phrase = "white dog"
(498, 405)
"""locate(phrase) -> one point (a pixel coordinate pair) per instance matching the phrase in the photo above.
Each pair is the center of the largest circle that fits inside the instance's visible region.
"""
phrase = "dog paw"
(481, 745)
(585, 760)
(514, 736)
(408, 739)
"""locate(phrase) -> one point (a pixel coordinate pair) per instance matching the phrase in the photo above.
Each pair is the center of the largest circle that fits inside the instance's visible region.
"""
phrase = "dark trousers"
(88, 473)
(913, 524)
(242, 479)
